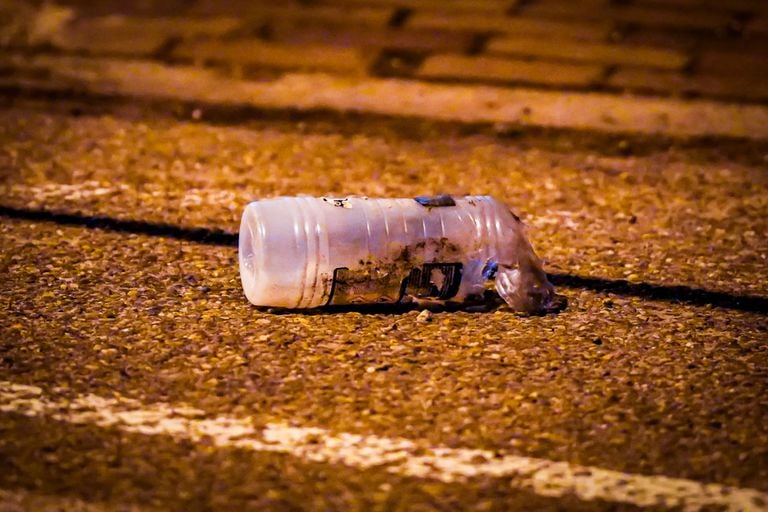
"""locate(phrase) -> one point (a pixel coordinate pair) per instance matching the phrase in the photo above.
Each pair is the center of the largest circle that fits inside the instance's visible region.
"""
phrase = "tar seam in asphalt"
(676, 293)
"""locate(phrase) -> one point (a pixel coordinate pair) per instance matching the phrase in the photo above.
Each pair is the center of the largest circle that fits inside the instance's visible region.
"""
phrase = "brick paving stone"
(731, 88)
(733, 63)
(121, 35)
(681, 40)
(473, 6)
(589, 30)
(687, 40)
(355, 36)
(646, 16)
(646, 80)
(90, 8)
(759, 25)
(729, 5)
(235, 7)
(109, 36)
(493, 69)
(664, 82)
(600, 53)
(260, 13)
(748, 44)
(255, 52)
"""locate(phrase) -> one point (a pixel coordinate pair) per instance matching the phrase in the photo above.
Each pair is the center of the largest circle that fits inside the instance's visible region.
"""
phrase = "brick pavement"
(672, 48)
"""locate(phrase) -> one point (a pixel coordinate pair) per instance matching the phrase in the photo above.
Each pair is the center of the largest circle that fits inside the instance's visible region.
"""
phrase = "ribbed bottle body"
(305, 252)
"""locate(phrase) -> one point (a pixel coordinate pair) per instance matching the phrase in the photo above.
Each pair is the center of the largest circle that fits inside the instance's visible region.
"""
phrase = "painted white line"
(396, 455)
(37, 195)
(66, 192)
(461, 103)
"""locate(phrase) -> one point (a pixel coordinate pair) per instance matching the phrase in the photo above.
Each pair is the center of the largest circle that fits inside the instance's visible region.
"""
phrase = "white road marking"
(37, 195)
(460, 103)
(559, 218)
(67, 192)
(397, 455)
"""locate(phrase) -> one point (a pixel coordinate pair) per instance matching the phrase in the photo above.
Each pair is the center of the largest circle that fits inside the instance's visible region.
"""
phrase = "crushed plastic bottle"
(306, 252)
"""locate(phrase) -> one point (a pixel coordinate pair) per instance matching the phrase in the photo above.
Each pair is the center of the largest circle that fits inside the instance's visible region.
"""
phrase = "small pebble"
(424, 316)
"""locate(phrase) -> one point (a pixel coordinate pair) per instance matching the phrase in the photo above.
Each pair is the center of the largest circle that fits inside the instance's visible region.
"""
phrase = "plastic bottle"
(305, 252)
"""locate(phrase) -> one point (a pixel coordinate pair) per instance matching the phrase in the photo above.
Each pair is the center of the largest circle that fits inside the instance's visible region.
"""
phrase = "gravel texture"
(617, 381)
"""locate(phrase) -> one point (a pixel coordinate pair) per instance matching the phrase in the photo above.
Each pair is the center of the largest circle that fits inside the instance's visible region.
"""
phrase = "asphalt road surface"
(134, 374)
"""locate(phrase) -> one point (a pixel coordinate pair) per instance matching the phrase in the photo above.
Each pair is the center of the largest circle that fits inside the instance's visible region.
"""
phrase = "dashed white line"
(39, 194)
(396, 455)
